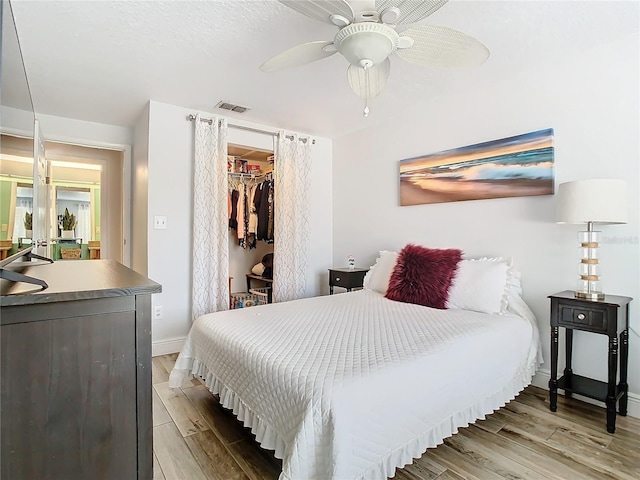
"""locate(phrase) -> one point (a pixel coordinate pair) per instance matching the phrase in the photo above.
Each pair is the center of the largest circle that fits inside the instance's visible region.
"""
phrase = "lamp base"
(590, 295)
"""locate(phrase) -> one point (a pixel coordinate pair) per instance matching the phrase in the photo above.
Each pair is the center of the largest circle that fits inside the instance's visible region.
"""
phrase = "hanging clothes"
(271, 211)
(245, 241)
(252, 213)
(233, 216)
(253, 218)
(262, 208)
(241, 212)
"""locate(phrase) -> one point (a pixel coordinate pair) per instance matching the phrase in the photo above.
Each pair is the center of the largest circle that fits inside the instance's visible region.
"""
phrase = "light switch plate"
(160, 222)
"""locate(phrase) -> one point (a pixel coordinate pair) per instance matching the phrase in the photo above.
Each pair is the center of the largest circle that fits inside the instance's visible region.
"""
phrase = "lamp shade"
(598, 201)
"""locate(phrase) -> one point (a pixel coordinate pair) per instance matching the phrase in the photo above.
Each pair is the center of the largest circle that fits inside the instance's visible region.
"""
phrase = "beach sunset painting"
(510, 167)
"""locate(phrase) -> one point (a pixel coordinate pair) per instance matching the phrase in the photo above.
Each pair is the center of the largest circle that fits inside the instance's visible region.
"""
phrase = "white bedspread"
(352, 386)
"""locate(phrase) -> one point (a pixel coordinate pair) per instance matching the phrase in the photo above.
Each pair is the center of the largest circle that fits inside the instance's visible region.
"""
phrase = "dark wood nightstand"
(346, 278)
(607, 317)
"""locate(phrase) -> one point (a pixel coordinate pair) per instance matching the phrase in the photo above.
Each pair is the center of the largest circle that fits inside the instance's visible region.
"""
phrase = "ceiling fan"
(369, 31)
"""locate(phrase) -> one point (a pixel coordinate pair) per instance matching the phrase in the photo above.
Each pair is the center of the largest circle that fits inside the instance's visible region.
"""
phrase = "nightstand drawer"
(594, 320)
(346, 279)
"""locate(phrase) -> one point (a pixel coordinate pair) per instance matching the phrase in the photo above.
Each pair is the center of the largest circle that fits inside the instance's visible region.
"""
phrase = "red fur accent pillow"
(423, 275)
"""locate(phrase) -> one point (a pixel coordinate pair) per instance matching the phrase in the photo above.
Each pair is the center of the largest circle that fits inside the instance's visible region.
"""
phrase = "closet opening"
(250, 178)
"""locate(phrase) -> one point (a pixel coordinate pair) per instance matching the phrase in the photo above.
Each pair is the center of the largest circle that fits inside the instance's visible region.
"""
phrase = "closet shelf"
(249, 175)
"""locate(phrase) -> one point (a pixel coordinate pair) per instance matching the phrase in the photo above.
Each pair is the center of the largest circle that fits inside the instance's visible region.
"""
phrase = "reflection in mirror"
(23, 221)
(16, 193)
(77, 196)
(16, 142)
(77, 203)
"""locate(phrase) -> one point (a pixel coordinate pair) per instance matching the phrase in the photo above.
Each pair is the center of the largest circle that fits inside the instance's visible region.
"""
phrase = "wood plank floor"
(195, 438)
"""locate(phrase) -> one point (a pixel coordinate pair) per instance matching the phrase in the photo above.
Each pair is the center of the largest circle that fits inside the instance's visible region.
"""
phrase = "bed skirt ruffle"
(269, 438)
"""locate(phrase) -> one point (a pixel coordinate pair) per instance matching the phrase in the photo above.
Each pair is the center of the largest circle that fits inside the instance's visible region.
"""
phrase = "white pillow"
(482, 285)
(377, 278)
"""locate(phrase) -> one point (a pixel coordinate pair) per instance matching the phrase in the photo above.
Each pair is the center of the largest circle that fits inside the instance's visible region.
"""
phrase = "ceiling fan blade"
(321, 10)
(298, 55)
(362, 5)
(411, 11)
(369, 83)
(436, 46)
(358, 6)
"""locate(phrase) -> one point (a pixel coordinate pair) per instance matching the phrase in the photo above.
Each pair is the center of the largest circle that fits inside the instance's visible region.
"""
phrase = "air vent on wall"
(232, 107)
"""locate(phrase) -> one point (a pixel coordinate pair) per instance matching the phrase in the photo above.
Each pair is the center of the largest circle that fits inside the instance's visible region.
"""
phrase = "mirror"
(17, 120)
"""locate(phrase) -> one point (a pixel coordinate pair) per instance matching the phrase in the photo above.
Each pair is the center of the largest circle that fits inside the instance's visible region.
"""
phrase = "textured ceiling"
(102, 61)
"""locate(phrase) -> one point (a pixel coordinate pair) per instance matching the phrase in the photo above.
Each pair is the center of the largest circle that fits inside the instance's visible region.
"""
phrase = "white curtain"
(83, 228)
(291, 169)
(210, 290)
(22, 207)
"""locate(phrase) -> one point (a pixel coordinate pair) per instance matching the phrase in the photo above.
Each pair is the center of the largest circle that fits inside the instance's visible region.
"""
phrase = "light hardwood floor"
(195, 438)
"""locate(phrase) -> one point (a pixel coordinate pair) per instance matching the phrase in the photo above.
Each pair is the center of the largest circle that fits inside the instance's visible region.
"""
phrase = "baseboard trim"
(165, 347)
(542, 377)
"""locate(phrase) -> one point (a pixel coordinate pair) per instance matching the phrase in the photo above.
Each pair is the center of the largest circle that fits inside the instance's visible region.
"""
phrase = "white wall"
(241, 261)
(67, 130)
(169, 170)
(87, 133)
(591, 102)
(16, 121)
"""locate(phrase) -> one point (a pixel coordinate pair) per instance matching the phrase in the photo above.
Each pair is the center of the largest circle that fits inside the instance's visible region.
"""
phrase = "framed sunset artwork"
(510, 167)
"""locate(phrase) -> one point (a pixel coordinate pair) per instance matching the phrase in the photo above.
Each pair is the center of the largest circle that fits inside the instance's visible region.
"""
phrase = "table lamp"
(602, 201)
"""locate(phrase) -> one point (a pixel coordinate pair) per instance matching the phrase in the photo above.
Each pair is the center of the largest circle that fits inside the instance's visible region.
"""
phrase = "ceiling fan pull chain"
(365, 112)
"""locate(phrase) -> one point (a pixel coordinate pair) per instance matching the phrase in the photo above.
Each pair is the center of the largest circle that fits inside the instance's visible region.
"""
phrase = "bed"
(355, 385)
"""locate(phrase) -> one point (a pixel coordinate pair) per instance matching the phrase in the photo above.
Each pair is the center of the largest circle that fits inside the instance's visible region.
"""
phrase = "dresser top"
(76, 280)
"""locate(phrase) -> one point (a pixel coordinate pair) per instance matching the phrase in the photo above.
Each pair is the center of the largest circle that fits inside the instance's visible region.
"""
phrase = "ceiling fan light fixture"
(368, 82)
(366, 41)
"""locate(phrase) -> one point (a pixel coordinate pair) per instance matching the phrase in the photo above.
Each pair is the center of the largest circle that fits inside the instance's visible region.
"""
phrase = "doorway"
(86, 183)
(248, 165)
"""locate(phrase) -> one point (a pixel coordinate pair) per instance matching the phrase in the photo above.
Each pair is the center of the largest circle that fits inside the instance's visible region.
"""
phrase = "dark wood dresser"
(76, 373)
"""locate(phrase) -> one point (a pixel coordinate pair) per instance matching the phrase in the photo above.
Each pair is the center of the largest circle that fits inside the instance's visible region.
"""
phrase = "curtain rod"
(192, 117)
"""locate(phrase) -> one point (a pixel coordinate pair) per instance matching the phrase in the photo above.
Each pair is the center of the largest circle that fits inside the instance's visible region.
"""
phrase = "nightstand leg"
(624, 359)
(330, 289)
(568, 372)
(553, 383)
(611, 384)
